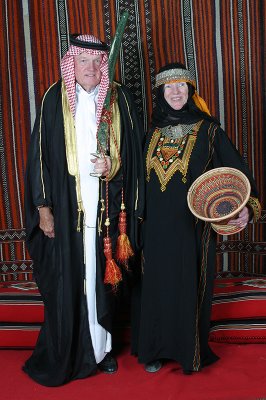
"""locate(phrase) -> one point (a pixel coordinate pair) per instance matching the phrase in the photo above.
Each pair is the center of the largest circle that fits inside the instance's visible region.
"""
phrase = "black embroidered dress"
(179, 251)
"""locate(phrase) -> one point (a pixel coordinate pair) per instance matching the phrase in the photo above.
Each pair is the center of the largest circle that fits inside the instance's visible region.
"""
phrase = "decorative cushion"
(238, 331)
(22, 313)
(17, 335)
(239, 310)
(20, 302)
(239, 298)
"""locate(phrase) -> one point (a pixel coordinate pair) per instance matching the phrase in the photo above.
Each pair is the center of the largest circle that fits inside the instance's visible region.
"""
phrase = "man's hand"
(242, 219)
(47, 221)
(102, 165)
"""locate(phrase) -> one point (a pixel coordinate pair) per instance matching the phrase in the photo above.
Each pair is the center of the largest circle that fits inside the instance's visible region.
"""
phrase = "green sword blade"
(113, 56)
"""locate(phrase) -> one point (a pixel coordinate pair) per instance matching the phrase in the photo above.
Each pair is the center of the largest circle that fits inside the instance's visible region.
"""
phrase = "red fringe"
(123, 247)
(112, 272)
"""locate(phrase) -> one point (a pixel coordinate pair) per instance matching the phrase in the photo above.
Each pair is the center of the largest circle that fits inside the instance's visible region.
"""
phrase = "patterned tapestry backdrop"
(222, 43)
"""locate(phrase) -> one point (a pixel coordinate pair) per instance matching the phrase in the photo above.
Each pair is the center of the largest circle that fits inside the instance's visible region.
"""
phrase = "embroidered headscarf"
(90, 45)
(194, 110)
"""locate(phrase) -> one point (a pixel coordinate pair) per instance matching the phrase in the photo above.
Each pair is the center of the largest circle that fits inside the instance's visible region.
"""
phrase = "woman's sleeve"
(225, 154)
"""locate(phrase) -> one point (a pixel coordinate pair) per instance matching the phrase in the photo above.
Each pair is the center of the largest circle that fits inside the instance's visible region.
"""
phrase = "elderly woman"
(179, 252)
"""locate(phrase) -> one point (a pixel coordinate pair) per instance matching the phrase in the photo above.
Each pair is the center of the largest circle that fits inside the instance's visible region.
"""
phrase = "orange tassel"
(112, 272)
(123, 247)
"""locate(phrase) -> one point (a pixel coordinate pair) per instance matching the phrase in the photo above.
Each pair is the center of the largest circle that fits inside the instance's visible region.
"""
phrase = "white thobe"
(85, 119)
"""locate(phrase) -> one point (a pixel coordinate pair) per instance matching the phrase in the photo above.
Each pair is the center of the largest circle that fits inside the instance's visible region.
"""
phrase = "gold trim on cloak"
(254, 203)
(132, 126)
(71, 144)
(115, 136)
(71, 148)
(40, 141)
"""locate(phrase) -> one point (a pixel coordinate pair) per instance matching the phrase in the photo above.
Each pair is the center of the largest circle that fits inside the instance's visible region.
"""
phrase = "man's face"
(87, 70)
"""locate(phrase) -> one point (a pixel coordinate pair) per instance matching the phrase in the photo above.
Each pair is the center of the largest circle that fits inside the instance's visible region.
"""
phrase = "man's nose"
(90, 65)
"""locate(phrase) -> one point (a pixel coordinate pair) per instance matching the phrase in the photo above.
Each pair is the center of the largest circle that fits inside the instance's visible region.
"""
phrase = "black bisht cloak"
(64, 350)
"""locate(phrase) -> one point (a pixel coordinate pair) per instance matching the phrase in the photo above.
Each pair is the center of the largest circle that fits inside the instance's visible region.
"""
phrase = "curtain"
(220, 41)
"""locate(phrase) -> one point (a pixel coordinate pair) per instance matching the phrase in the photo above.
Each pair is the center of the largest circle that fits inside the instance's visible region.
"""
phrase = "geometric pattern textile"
(238, 313)
(222, 42)
(21, 314)
(18, 335)
(20, 302)
(246, 331)
(239, 310)
(239, 298)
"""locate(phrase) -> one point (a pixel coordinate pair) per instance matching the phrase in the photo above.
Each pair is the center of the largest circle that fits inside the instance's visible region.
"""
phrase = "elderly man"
(75, 184)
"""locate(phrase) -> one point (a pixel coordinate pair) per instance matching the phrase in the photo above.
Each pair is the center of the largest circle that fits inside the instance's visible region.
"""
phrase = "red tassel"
(123, 247)
(112, 272)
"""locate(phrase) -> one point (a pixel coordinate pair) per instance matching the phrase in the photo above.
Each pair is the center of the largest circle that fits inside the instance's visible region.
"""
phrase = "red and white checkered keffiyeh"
(68, 74)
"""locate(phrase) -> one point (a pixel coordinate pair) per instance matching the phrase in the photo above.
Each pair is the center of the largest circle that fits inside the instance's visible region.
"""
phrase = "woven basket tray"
(218, 196)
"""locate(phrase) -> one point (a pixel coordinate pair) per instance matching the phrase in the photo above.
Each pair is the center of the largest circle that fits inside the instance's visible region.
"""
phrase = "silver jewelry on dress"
(177, 131)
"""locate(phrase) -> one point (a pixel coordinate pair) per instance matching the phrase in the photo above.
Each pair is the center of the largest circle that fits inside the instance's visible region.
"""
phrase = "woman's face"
(176, 94)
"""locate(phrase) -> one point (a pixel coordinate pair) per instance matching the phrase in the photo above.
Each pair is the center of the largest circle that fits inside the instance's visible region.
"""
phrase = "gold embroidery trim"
(128, 110)
(180, 164)
(132, 126)
(115, 137)
(71, 148)
(201, 291)
(254, 203)
(70, 134)
(116, 124)
(211, 134)
(71, 145)
(40, 142)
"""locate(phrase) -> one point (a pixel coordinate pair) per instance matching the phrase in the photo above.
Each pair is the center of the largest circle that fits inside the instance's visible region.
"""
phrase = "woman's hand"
(242, 219)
